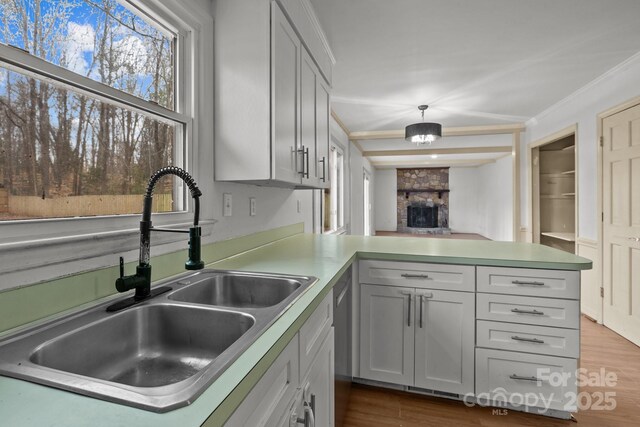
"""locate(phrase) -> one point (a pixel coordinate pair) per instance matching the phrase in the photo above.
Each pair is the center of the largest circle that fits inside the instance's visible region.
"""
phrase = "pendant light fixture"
(424, 132)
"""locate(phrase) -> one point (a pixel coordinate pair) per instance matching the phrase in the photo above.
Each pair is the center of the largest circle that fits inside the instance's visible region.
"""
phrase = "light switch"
(252, 206)
(299, 206)
(227, 204)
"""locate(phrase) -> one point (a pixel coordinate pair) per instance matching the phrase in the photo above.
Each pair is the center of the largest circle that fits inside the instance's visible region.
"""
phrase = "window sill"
(337, 232)
(32, 261)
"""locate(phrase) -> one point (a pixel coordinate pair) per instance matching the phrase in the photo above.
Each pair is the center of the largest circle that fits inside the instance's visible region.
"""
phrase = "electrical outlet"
(252, 206)
(227, 203)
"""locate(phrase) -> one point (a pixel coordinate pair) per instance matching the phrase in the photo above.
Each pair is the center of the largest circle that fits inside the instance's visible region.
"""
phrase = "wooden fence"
(37, 207)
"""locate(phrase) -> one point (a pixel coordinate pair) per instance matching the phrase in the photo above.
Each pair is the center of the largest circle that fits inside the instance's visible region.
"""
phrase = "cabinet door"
(285, 66)
(318, 390)
(386, 333)
(444, 341)
(308, 77)
(323, 111)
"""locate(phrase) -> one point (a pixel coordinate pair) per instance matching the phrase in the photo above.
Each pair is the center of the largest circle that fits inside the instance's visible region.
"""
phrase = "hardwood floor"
(468, 236)
(601, 348)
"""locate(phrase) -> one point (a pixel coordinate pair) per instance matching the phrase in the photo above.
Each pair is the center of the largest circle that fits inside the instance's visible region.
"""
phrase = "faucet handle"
(121, 267)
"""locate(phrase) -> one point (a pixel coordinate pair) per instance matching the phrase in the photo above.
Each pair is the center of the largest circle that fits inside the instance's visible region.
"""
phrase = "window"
(333, 199)
(91, 104)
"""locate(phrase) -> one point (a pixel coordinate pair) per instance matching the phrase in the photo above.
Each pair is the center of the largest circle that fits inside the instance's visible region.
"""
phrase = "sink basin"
(238, 290)
(163, 344)
(162, 353)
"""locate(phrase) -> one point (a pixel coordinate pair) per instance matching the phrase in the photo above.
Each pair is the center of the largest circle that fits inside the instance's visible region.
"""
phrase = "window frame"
(337, 192)
(50, 241)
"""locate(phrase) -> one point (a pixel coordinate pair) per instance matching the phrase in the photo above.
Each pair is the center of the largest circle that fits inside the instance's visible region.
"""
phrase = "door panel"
(445, 341)
(285, 65)
(308, 119)
(621, 222)
(386, 334)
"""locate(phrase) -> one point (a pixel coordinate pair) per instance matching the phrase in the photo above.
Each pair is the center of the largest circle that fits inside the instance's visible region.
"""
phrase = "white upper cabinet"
(272, 79)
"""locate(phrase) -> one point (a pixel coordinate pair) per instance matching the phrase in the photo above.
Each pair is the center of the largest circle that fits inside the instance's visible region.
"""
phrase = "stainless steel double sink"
(161, 354)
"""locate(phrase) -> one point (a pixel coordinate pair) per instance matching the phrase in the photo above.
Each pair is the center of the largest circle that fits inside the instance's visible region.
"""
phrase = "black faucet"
(141, 281)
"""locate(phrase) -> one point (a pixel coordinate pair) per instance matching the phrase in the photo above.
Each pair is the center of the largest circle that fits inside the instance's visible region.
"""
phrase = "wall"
(481, 200)
(614, 87)
(358, 165)
(385, 198)
(495, 199)
(463, 200)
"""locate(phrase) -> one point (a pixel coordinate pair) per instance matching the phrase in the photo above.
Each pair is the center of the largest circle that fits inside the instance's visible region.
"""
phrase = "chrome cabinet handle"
(521, 378)
(520, 282)
(518, 311)
(414, 276)
(535, 340)
(324, 173)
(306, 153)
(409, 294)
(635, 239)
(309, 419)
(422, 297)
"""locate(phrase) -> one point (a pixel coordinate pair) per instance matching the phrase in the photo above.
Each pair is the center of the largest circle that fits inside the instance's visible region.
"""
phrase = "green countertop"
(324, 256)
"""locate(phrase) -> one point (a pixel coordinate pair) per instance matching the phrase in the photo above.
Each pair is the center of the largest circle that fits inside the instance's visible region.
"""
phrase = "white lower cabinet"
(418, 337)
(299, 384)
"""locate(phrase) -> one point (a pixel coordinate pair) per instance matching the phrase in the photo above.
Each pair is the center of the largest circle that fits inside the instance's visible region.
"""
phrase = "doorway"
(553, 189)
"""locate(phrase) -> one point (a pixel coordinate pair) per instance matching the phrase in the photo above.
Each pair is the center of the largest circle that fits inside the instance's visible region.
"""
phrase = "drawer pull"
(518, 311)
(414, 276)
(523, 283)
(535, 340)
(521, 378)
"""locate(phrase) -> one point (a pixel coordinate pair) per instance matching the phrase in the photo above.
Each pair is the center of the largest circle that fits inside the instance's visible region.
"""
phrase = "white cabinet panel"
(532, 282)
(313, 332)
(529, 310)
(286, 54)
(528, 338)
(448, 277)
(318, 389)
(504, 373)
(444, 346)
(386, 334)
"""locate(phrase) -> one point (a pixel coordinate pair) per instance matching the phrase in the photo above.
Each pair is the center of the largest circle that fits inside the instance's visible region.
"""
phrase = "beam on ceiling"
(432, 164)
(430, 151)
(451, 131)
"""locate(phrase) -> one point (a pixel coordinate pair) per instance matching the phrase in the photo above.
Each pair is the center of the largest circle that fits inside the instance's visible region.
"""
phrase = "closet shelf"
(567, 237)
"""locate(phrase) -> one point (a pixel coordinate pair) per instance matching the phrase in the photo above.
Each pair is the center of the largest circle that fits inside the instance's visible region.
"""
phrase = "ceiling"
(475, 62)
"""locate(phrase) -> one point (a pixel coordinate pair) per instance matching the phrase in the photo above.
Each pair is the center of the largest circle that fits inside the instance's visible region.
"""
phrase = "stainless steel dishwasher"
(342, 326)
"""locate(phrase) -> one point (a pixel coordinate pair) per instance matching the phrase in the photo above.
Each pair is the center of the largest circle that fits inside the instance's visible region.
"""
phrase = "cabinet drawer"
(447, 277)
(313, 332)
(532, 282)
(561, 313)
(528, 338)
(506, 376)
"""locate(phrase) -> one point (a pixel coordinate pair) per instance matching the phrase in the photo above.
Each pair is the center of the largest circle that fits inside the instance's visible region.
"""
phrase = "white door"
(445, 341)
(621, 222)
(386, 333)
(285, 54)
(318, 390)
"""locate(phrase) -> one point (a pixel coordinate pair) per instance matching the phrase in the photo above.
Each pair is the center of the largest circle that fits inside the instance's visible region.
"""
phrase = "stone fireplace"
(423, 201)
